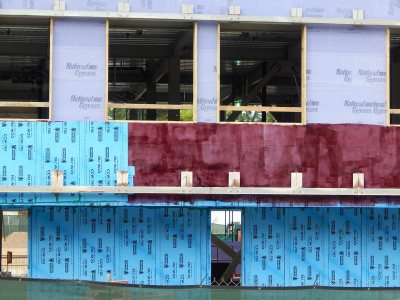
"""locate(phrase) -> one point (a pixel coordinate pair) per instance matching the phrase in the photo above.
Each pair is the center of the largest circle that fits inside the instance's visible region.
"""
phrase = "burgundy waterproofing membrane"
(265, 155)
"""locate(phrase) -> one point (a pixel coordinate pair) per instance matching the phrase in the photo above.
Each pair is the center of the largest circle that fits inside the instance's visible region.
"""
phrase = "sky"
(218, 216)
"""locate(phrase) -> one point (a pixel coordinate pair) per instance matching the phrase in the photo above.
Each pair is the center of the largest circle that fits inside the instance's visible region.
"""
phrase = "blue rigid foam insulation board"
(60, 150)
(89, 153)
(149, 246)
(51, 242)
(181, 232)
(264, 264)
(304, 241)
(382, 252)
(137, 241)
(19, 146)
(345, 247)
(341, 247)
(95, 236)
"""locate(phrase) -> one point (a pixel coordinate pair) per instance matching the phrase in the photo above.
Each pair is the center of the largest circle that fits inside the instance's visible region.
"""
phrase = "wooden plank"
(263, 123)
(296, 180)
(260, 108)
(195, 60)
(51, 68)
(234, 179)
(186, 179)
(151, 106)
(304, 75)
(122, 178)
(160, 190)
(394, 111)
(218, 71)
(57, 180)
(106, 58)
(23, 104)
(358, 180)
(387, 76)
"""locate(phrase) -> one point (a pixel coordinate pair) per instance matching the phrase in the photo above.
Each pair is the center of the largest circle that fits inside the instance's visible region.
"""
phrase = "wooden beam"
(387, 76)
(195, 70)
(107, 69)
(57, 181)
(51, 68)
(218, 72)
(260, 108)
(159, 190)
(296, 180)
(186, 179)
(23, 104)
(151, 106)
(122, 178)
(234, 179)
(358, 180)
(304, 75)
(394, 111)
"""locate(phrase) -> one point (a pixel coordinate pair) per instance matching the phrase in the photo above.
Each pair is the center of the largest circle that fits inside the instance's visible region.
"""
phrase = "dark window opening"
(24, 70)
(151, 73)
(261, 75)
(226, 247)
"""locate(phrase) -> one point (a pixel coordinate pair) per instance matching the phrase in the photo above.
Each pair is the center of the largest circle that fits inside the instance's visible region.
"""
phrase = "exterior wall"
(164, 246)
(171, 246)
(373, 9)
(90, 154)
(346, 75)
(341, 247)
(265, 155)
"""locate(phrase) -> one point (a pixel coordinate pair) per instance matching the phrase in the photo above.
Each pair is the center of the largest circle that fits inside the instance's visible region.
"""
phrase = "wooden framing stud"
(187, 9)
(234, 10)
(358, 15)
(296, 12)
(358, 181)
(122, 178)
(388, 77)
(234, 179)
(123, 9)
(59, 5)
(186, 179)
(57, 180)
(296, 180)
(304, 75)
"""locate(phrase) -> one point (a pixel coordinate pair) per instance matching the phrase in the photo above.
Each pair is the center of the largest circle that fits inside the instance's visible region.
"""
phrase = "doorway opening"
(14, 243)
(226, 247)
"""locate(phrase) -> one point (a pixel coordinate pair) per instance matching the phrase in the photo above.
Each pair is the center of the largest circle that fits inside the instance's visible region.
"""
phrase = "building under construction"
(123, 124)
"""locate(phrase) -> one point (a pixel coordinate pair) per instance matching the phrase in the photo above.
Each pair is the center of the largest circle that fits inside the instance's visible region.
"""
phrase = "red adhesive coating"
(265, 155)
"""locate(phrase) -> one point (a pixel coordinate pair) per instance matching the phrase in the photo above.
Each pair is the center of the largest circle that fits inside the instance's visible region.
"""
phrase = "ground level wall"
(341, 247)
(169, 246)
(338, 247)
